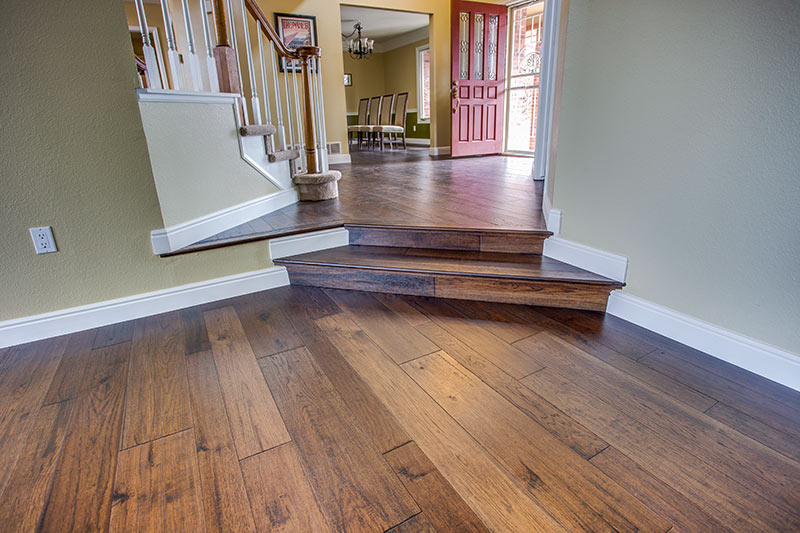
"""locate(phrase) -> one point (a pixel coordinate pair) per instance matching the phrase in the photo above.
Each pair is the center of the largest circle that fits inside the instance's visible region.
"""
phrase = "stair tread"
(456, 262)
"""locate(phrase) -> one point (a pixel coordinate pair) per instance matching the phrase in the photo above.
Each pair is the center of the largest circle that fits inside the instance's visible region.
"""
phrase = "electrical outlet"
(43, 240)
(414, 127)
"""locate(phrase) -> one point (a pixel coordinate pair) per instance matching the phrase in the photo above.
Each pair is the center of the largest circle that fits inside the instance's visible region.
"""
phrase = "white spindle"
(193, 59)
(245, 118)
(150, 60)
(321, 114)
(278, 109)
(299, 118)
(267, 114)
(172, 50)
(254, 103)
(288, 101)
(211, 64)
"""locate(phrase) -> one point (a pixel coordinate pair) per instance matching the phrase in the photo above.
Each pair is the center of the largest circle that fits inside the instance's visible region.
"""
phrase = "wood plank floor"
(305, 409)
(410, 189)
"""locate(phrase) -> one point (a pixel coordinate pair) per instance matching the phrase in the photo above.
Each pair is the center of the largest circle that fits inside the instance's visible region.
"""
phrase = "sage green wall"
(73, 155)
(678, 148)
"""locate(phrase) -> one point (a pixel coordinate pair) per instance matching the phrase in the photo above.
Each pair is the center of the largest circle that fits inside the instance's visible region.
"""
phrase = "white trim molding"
(308, 242)
(418, 141)
(439, 150)
(552, 216)
(186, 97)
(758, 357)
(598, 261)
(64, 321)
(176, 237)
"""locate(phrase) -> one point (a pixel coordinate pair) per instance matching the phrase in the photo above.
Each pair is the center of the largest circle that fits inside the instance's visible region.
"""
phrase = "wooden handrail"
(140, 64)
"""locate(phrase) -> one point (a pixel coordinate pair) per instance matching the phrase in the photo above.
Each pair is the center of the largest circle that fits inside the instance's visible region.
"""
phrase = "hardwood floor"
(306, 409)
(410, 189)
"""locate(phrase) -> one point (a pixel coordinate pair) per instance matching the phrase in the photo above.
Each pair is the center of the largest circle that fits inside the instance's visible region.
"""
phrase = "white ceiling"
(382, 24)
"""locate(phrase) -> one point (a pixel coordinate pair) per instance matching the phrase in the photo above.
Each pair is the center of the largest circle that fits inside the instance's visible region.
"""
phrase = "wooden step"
(467, 275)
(478, 240)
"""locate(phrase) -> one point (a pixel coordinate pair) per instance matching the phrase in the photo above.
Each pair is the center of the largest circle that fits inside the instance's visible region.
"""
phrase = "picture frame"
(348, 79)
(295, 31)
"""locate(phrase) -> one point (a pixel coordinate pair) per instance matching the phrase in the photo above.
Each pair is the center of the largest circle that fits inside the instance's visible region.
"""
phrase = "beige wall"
(678, 148)
(73, 155)
(401, 71)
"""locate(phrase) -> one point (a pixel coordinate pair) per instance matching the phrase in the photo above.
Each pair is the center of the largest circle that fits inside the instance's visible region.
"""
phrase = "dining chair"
(398, 125)
(363, 115)
(387, 107)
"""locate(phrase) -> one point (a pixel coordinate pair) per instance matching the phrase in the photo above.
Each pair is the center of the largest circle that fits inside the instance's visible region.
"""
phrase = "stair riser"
(449, 240)
(545, 293)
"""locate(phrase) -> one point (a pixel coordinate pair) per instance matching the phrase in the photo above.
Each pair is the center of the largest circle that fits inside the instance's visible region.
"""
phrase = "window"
(423, 84)
(523, 80)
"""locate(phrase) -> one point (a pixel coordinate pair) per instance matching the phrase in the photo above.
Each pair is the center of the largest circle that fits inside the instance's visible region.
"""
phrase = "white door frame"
(544, 130)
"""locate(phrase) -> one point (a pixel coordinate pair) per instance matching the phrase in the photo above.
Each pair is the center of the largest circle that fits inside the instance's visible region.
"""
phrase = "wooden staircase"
(468, 264)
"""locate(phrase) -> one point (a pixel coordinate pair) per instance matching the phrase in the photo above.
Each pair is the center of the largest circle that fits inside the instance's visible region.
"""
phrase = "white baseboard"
(308, 242)
(552, 216)
(439, 150)
(176, 237)
(31, 328)
(338, 159)
(757, 357)
(417, 142)
(604, 263)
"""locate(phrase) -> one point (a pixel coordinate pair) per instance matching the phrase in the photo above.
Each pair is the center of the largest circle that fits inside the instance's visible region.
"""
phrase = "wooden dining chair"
(363, 115)
(387, 107)
(365, 131)
(398, 125)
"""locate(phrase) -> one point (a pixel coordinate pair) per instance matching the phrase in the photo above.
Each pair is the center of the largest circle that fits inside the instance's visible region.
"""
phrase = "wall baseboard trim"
(415, 141)
(176, 237)
(552, 216)
(339, 159)
(64, 321)
(439, 150)
(758, 357)
(598, 261)
(308, 242)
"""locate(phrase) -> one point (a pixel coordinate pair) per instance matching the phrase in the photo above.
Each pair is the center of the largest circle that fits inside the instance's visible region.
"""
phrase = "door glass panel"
(523, 82)
(491, 47)
(478, 61)
(463, 43)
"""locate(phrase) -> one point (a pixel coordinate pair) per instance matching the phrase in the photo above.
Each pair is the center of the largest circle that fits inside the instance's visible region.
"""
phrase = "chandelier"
(360, 47)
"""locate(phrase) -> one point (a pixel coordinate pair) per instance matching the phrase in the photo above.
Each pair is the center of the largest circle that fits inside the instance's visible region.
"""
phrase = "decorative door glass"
(523, 82)
(478, 61)
(491, 52)
(463, 41)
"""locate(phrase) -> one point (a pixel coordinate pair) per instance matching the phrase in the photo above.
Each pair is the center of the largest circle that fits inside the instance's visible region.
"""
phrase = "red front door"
(478, 76)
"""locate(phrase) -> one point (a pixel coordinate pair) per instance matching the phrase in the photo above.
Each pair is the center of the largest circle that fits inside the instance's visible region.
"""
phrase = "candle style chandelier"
(360, 47)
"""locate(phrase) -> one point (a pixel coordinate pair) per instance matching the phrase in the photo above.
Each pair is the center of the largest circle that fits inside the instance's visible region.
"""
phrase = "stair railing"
(294, 106)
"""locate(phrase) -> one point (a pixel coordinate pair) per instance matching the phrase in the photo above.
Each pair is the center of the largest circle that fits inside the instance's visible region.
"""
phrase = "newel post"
(227, 62)
(307, 52)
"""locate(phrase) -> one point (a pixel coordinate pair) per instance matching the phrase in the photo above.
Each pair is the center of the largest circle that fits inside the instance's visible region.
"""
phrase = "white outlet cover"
(43, 240)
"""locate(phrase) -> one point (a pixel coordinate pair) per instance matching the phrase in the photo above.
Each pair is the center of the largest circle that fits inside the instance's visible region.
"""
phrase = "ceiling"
(382, 24)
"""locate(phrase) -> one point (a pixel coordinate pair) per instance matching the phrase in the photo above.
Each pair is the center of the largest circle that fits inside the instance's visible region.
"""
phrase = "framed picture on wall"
(348, 80)
(295, 31)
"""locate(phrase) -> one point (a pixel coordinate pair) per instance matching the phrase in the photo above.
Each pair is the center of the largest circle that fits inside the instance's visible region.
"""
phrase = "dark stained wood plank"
(788, 445)
(24, 380)
(413, 238)
(490, 317)
(568, 431)
(399, 306)
(686, 515)
(29, 486)
(195, 336)
(439, 501)
(354, 485)
(157, 487)
(360, 279)
(575, 492)
(372, 415)
(81, 494)
(157, 403)
(255, 422)
(725, 498)
(224, 495)
(266, 326)
(758, 406)
(71, 370)
(497, 500)
(512, 243)
(114, 334)
(500, 353)
(394, 335)
(732, 453)
(416, 524)
(280, 494)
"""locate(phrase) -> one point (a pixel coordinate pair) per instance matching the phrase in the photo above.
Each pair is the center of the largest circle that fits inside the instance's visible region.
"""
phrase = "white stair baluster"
(288, 101)
(174, 59)
(298, 117)
(211, 64)
(193, 59)
(255, 105)
(150, 60)
(320, 109)
(267, 114)
(278, 109)
(245, 117)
